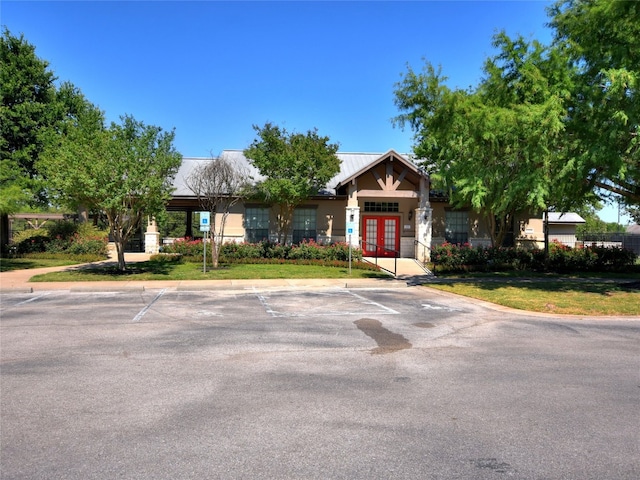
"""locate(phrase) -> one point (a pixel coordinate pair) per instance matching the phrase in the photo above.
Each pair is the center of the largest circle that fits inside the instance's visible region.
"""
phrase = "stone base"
(151, 243)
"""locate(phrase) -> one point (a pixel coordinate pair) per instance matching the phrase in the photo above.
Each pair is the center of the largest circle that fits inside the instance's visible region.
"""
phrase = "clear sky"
(211, 69)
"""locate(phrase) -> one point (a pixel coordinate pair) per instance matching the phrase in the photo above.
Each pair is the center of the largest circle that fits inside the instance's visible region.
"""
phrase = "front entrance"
(381, 236)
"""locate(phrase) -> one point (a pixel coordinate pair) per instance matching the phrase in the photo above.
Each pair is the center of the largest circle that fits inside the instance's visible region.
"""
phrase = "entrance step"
(404, 267)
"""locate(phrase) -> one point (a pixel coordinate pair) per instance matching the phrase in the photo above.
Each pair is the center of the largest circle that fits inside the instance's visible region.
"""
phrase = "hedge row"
(454, 258)
(307, 250)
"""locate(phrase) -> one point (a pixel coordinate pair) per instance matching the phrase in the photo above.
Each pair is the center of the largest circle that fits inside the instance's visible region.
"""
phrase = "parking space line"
(32, 299)
(269, 308)
(147, 307)
(264, 303)
(371, 302)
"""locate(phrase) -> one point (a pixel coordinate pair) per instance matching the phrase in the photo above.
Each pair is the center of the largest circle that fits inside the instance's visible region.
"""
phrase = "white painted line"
(264, 303)
(33, 299)
(371, 302)
(144, 310)
(428, 306)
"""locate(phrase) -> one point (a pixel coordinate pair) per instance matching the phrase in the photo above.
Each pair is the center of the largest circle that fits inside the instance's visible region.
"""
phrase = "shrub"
(340, 251)
(87, 245)
(62, 229)
(186, 247)
(447, 257)
(457, 258)
(166, 258)
(237, 252)
(32, 244)
(613, 257)
(326, 263)
(63, 237)
(306, 250)
(241, 250)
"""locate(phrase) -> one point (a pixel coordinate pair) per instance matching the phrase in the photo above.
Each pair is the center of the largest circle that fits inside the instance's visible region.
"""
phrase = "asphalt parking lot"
(311, 383)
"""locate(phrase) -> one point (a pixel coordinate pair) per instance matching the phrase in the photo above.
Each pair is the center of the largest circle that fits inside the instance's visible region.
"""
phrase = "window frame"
(456, 226)
(307, 218)
(256, 223)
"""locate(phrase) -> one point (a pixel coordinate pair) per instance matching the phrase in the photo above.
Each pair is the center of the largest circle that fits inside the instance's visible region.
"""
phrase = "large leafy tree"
(124, 170)
(496, 147)
(296, 166)
(602, 41)
(33, 112)
(27, 92)
(27, 110)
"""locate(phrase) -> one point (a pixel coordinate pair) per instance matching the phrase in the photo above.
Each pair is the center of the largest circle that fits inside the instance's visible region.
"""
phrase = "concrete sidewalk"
(18, 280)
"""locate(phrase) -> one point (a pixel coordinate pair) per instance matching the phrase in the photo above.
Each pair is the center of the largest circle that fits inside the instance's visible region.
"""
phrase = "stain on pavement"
(388, 342)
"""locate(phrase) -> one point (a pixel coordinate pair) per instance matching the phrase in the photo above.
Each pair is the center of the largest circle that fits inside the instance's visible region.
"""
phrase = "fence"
(629, 241)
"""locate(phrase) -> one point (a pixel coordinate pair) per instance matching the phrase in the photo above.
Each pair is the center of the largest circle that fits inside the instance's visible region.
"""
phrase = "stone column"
(423, 233)
(152, 237)
(423, 222)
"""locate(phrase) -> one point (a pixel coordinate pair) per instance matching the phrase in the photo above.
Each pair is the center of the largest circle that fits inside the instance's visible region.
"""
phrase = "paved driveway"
(311, 383)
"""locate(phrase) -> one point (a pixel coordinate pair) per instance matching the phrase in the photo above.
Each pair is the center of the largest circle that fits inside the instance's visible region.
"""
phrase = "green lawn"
(191, 271)
(562, 296)
(8, 264)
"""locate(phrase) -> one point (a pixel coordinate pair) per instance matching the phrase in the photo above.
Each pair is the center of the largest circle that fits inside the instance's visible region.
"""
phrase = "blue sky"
(211, 70)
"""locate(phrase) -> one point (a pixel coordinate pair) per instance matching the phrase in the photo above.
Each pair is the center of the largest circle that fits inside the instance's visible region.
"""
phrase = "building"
(379, 202)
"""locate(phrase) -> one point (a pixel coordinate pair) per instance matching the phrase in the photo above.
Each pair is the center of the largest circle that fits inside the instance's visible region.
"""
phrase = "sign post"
(350, 232)
(205, 227)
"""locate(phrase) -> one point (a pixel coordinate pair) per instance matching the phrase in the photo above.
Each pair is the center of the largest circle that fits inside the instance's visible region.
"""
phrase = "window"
(256, 224)
(304, 224)
(456, 227)
(381, 206)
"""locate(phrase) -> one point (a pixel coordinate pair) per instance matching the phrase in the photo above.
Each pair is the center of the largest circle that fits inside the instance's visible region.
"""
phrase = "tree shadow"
(134, 268)
(595, 286)
(8, 265)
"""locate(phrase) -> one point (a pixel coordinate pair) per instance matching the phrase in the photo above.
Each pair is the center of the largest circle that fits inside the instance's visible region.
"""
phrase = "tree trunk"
(83, 214)
(120, 249)
(4, 232)
(545, 227)
(120, 240)
(491, 223)
(501, 227)
(215, 251)
(285, 222)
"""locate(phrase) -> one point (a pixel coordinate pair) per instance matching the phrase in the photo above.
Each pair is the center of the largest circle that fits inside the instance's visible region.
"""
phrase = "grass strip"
(559, 297)
(190, 271)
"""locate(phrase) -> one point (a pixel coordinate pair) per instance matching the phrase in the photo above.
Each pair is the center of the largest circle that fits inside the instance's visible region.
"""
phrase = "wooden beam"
(388, 194)
(376, 175)
(397, 183)
(389, 178)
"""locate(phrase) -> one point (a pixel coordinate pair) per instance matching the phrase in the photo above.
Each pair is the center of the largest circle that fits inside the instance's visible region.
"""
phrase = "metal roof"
(565, 217)
(351, 163)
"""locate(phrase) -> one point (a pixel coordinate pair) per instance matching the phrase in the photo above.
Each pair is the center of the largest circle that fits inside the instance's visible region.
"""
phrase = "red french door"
(381, 236)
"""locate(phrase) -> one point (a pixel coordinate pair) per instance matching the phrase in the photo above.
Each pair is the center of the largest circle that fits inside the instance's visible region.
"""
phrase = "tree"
(295, 166)
(634, 213)
(219, 184)
(125, 170)
(595, 225)
(602, 41)
(27, 92)
(33, 112)
(494, 148)
(28, 96)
